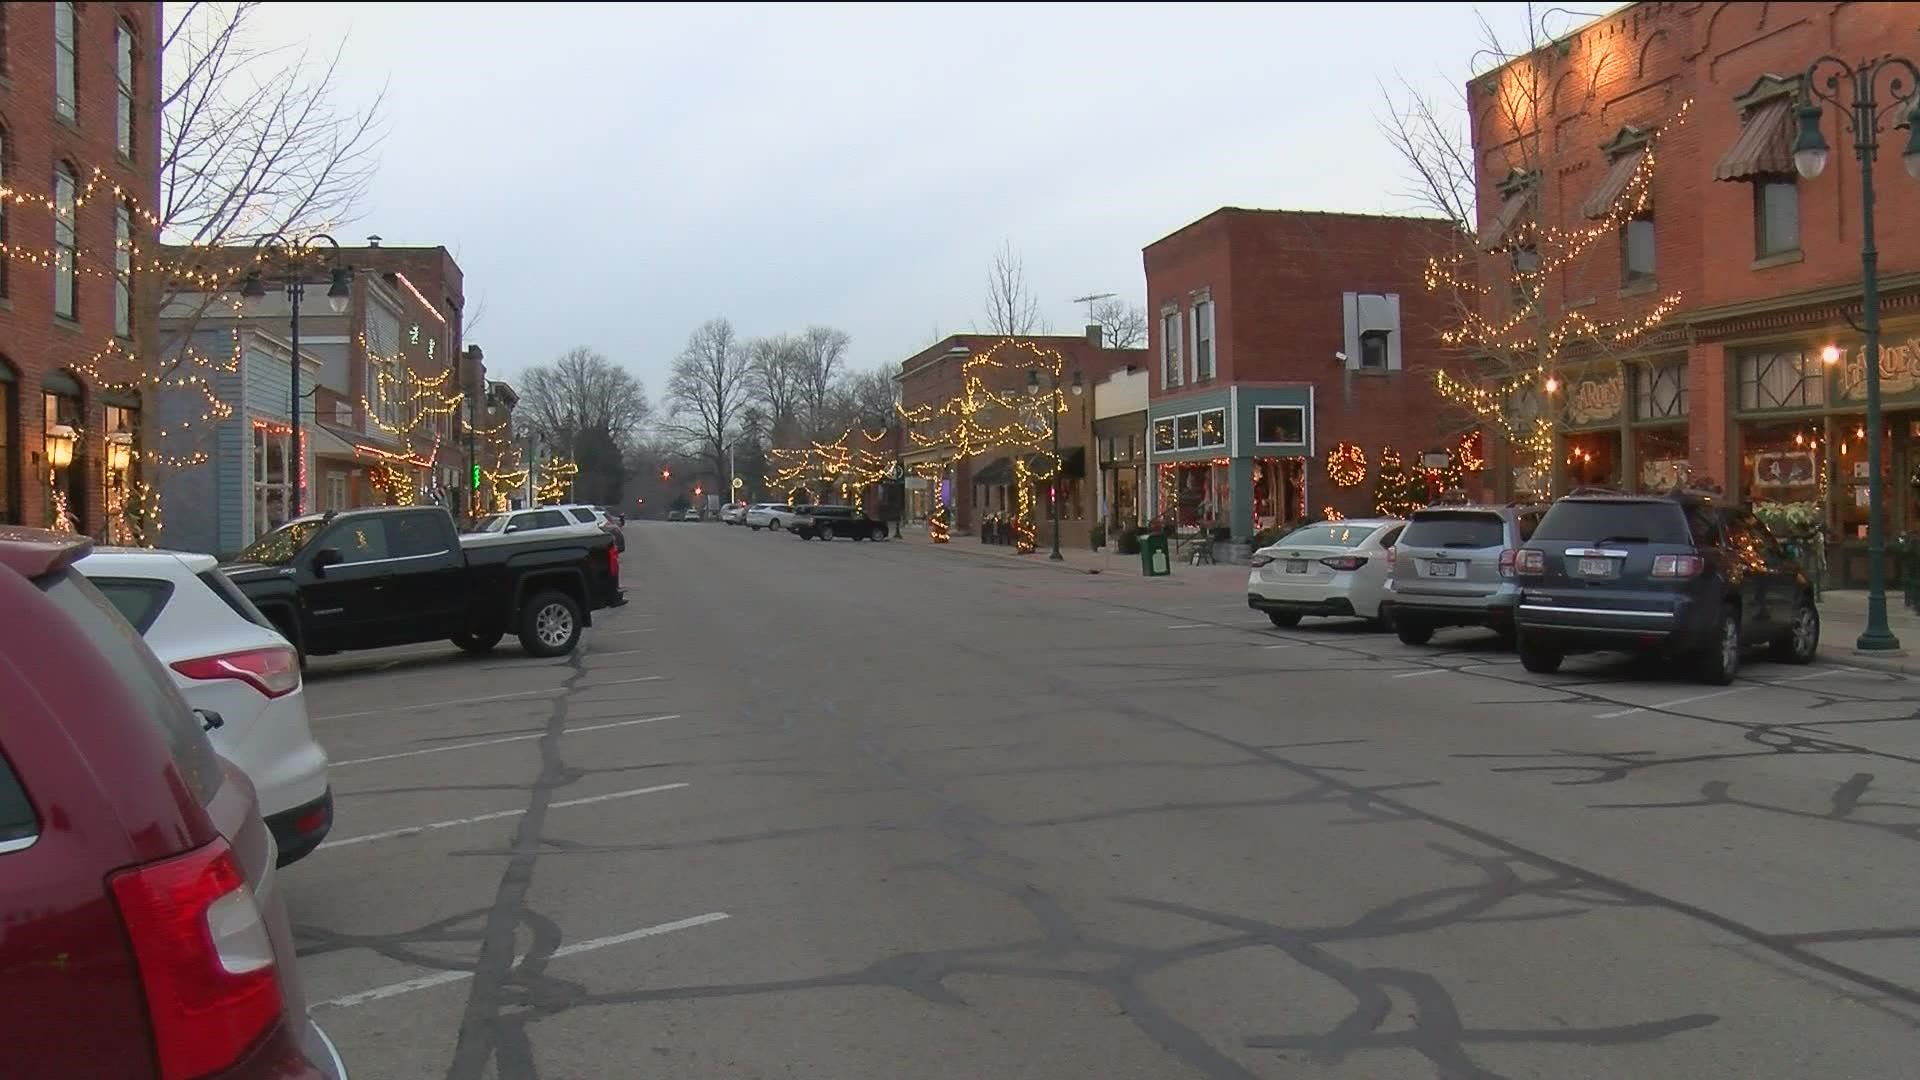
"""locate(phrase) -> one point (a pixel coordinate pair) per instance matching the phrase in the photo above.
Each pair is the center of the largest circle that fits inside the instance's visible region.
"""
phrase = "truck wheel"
(1539, 657)
(549, 624)
(478, 644)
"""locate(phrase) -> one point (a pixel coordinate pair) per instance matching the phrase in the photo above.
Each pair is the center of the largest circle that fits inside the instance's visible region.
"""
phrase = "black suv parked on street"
(827, 522)
(1677, 574)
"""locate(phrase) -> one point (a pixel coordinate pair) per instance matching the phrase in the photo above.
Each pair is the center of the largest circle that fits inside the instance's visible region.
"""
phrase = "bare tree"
(864, 401)
(776, 372)
(1122, 325)
(581, 392)
(823, 349)
(1012, 309)
(707, 389)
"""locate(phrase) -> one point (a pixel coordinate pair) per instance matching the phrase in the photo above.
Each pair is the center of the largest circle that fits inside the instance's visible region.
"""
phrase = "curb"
(1841, 656)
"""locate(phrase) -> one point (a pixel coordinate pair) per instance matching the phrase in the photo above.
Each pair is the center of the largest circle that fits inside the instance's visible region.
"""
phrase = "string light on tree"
(1347, 465)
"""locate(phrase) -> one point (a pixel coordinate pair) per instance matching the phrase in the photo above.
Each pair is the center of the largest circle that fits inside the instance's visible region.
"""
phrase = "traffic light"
(665, 473)
(696, 491)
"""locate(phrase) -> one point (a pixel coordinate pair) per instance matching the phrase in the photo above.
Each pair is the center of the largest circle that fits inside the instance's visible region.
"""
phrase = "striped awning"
(1765, 145)
(1612, 185)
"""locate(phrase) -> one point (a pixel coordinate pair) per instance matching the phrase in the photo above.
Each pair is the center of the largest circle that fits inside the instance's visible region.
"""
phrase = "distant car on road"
(733, 514)
(1330, 568)
(827, 522)
(145, 930)
(780, 516)
(1453, 566)
(367, 579)
(1677, 574)
(593, 515)
(758, 515)
(226, 657)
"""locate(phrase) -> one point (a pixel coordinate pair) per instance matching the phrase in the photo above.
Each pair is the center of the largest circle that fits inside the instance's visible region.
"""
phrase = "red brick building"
(79, 117)
(1286, 347)
(982, 485)
(1754, 379)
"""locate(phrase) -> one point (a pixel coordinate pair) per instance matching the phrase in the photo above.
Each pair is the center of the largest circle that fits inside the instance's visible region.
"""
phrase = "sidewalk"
(1082, 561)
(1843, 614)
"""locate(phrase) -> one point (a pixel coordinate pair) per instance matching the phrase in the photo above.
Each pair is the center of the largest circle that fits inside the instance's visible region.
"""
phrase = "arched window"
(123, 41)
(64, 415)
(66, 191)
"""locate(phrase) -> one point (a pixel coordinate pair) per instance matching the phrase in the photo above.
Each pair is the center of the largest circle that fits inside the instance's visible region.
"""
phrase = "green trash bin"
(1153, 555)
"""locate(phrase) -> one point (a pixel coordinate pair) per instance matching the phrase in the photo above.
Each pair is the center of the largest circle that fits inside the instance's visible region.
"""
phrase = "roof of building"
(1248, 211)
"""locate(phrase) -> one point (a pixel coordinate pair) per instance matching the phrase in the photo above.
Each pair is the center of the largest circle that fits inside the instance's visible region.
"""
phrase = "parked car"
(614, 514)
(225, 657)
(827, 522)
(1679, 574)
(544, 520)
(145, 930)
(593, 515)
(781, 516)
(733, 514)
(759, 515)
(675, 515)
(366, 579)
(1453, 566)
(1330, 568)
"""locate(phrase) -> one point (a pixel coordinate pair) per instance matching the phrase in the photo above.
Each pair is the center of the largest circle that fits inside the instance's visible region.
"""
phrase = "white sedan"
(1332, 568)
(775, 516)
(227, 658)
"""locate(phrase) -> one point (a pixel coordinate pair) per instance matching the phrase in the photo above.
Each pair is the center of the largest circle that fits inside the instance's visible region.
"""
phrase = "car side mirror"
(209, 720)
(324, 558)
(515, 527)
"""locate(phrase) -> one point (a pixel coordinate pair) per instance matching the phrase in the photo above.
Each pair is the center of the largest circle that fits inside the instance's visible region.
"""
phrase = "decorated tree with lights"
(849, 464)
(981, 420)
(1515, 283)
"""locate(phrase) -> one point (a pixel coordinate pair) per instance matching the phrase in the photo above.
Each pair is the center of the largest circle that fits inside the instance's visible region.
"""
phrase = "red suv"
(141, 930)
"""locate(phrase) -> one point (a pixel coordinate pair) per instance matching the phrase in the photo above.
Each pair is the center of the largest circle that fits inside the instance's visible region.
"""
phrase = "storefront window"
(1163, 434)
(62, 409)
(1660, 455)
(1187, 432)
(120, 444)
(1660, 392)
(1782, 380)
(1280, 425)
(1593, 459)
(1785, 463)
(271, 491)
(1200, 497)
(1213, 428)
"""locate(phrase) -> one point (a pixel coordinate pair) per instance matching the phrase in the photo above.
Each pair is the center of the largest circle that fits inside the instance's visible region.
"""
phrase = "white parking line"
(1670, 704)
(617, 633)
(389, 834)
(496, 742)
(1418, 674)
(483, 700)
(616, 652)
(441, 978)
(1288, 645)
(1190, 626)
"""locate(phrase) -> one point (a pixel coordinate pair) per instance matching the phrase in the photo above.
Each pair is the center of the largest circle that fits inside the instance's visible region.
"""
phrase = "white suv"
(228, 659)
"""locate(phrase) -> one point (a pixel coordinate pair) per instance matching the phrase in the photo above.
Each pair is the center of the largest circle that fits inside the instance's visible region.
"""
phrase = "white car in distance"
(1329, 568)
(227, 659)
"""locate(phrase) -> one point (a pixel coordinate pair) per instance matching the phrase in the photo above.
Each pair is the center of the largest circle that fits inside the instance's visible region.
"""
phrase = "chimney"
(1095, 337)
(373, 241)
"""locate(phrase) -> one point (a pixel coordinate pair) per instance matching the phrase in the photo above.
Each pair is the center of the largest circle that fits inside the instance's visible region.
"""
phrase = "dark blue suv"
(1681, 574)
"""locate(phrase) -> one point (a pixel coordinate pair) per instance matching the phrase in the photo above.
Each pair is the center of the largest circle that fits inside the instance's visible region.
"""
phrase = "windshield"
(282, 544)
(1327, 534)
(1454, 529)
(1615, 523)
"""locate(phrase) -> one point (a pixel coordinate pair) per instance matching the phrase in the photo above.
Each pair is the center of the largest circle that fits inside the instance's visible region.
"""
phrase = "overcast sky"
(614, 175)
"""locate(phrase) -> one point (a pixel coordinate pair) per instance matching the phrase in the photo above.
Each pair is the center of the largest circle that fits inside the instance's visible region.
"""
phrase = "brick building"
(983, 485)
(79, 117)
(1275, 338)
(1755, 379)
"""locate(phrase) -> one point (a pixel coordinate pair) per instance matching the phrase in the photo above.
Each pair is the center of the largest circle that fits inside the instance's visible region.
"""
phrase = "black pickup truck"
(366, 579)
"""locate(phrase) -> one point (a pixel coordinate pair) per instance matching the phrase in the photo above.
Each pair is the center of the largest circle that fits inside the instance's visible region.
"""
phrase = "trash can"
(1153, 555)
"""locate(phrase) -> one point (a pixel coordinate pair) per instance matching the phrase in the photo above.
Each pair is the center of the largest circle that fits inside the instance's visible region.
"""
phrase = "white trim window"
(272, 484)
(336, 491)
(123, 269)
(66, 205)
(1280, 425)
(1372, 331)
(1204, 362)
(66, 89)
(1172, 371)
(123, 87)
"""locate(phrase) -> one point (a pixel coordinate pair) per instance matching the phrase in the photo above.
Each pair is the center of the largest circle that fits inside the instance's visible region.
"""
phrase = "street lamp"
(294, 255)
(1863, 116)
(1033, 390)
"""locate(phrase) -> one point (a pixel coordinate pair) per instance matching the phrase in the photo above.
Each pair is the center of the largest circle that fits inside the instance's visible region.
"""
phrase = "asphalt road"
(858, 811)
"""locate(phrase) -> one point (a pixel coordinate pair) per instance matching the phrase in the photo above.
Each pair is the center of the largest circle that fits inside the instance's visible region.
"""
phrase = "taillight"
(1678, 566)
(1506, 563)
(1389, 558)
(613, 561)
(1344, 562)
(1528, 562)
(273, 671)
(205, 959)
(1260, 560)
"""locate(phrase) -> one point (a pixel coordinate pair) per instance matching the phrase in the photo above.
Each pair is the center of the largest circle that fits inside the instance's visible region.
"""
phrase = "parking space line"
(496, 742)
(441, 978)
(617, 633)
(616, 652)
(484, 700)
(1288, 645)
(1190, 626)
(1418, 674)
(389, 834)
(1670, 704)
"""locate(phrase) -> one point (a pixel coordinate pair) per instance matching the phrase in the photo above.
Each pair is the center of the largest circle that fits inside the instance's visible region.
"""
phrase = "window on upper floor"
(66, 89)
(1776, 216)
(1637, 249)
(1171, 371)
(1279, 425)
(123, 269)
(1203, 359)
(1373, 350)
(123, 42)
(66, 284)
(1372, 324)
(5, 170)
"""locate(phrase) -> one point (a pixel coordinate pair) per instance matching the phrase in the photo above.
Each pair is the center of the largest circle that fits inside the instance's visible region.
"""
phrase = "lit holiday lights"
(1347, 465)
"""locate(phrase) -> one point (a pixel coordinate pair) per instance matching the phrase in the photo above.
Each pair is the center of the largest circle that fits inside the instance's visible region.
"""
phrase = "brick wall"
(33, 341)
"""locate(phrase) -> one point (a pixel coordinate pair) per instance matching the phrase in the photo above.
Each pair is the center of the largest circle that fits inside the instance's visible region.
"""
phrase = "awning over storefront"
(326, 441)
(1614, 183)
(1765, 145)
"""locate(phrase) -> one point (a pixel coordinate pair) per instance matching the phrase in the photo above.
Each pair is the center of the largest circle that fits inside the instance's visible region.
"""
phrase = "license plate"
(1596, 567)
(1442, 568)
(1296, 566)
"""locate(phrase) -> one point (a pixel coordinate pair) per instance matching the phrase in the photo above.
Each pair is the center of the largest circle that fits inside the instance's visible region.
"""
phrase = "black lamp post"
(294, 255)
(1059, 473)
(1863, 116)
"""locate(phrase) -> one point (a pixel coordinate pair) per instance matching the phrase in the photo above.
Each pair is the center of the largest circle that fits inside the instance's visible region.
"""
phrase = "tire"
(1720, 661)
(549, 624)
(1284, 618)
(1412, 631)
(1793, 647)
(1538, 657)
(478, 644)
(878, 534)
(755, 528)
(774, 525)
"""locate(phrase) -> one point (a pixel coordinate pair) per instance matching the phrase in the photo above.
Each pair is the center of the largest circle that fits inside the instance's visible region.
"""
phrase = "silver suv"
(1453, 566)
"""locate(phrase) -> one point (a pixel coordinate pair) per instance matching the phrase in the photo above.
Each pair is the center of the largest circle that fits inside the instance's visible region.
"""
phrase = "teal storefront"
(1233, 458)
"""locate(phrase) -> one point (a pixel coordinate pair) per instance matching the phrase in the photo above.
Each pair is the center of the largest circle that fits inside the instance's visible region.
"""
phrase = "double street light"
(295, 256)
(1863, 116)
(1033, 390)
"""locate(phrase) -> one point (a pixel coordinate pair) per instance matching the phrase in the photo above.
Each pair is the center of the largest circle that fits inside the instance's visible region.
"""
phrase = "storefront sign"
(1787, 468)
(1899, 370)
(1663, 474)
(1591, 401)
